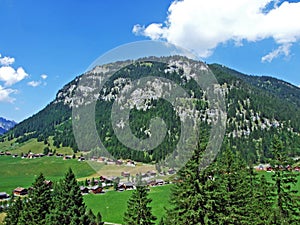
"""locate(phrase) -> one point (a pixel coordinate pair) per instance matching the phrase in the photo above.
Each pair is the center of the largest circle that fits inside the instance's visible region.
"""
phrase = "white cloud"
(5, 94)
(11, 76)
(8, 74)
(6, 61)
(281, 50)
(34, 83)
(201, 25)
(44, 76)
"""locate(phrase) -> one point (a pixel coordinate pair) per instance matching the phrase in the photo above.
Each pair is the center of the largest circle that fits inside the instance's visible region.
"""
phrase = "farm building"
(3, 195)
(20, 191)
(84, 190)
(96, 189)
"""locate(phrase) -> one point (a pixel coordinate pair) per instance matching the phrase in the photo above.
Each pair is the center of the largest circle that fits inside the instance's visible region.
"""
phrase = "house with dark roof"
(3, 195)
(96, 189)
(20, 191)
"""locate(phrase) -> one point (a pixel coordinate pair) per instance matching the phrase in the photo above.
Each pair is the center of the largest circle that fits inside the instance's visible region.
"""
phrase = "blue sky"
(45, 44)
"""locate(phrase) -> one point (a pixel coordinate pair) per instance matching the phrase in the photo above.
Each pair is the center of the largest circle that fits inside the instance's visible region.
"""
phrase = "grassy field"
(32, 145)
(22, 172)
(112, 204)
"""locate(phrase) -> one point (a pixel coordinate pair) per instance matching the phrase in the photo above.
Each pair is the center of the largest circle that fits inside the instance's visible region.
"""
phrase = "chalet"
(101, 159)
(130, 163)
(125, 174)
(151, 182)
(107, 180)
(81, 158)
(3, 195)
(59, 155)
(126, 185)
(84, 190)
(96, 189)
(110, 162)
(7, 153)
(2, 153)
(50, 154)
(15, 155)
(159, 182)
(20, 191)
(119, 162)
(155, 182)
(66, 157)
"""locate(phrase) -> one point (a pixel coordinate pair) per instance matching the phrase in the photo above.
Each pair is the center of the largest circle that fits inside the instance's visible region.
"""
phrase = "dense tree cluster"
(230, 192)
(63, 205)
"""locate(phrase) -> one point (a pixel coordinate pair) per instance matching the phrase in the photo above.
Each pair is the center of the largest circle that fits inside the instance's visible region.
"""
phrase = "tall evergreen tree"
(232, 194)
(68, 207)
(287, 204)
(138, 209)
(38, 203)
(14, 211)
(190, 196)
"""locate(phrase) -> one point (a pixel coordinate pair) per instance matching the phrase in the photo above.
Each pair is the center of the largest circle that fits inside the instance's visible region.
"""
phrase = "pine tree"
(38, 203)
(190, 196)
(262, 198)
(287, 204)
(232, 193)
(14, 210)
(68, 207)
(138, 209)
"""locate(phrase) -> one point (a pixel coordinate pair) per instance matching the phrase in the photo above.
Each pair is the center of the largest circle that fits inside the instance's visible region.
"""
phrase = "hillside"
(5, 125)
(257, 108)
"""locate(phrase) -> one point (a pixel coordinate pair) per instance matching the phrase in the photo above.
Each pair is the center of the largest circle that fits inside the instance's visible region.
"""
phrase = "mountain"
(257, 108)
(5, 125)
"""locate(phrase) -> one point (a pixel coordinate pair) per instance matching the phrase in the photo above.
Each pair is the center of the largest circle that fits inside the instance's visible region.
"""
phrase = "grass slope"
(112, 204)
(22, 172)
(32, 145)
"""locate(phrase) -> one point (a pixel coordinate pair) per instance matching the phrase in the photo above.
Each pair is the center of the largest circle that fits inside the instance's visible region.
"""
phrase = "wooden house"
(20, 191)
(3, 195)
(84, 190)
(96, 189)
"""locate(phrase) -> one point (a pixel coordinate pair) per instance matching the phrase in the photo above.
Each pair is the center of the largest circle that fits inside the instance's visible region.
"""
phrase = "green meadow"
(112, 204)
(16, 172)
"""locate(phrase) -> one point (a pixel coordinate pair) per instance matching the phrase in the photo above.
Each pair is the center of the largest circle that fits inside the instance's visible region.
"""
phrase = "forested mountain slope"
(257, 108)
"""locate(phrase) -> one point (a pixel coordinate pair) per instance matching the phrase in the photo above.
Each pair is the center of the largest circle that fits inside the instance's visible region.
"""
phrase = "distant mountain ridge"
(6, 125)
(257, 108)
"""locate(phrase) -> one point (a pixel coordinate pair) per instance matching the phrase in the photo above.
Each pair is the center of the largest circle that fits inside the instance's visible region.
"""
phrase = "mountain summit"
(6, 125)
(258, 107)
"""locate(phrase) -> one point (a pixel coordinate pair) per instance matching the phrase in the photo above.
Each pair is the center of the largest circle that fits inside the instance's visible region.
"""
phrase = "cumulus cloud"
(5, 94)
(202, 25)
(34, 83)
(6, 61)
(11, 76)
(8, 74)
(44, 76)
